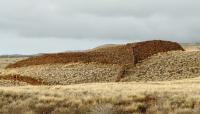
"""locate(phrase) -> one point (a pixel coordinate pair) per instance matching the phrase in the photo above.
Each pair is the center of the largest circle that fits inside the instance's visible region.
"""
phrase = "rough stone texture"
(143, 50)
(160, 67)
(68, 73)
(172, 65)
(123, 54)
(116, 55)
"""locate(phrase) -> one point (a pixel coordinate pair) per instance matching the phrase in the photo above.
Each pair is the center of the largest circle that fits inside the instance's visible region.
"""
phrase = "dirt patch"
(26, 79)
(122, 54)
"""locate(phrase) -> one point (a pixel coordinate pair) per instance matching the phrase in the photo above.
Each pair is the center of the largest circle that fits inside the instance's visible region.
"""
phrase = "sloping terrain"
(154, 96)
(172, 65)
(104, 46)
(25, 79)
(111, 56)
(166, 66)
(123, 54)
(191, 47)
(143, 50)
(68, 73)
(5, 61)
(11, 80)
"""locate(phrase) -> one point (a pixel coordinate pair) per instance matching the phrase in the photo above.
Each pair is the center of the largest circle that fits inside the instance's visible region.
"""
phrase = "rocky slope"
(69, 73)
(166, 66)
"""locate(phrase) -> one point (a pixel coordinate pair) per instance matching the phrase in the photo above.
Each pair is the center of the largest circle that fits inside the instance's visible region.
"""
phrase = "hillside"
(172, 65)
(130, 53)
(164, 83)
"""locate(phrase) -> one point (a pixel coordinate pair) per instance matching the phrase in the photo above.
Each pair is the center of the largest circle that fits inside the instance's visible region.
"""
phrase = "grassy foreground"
(172, 97)
(166, 97)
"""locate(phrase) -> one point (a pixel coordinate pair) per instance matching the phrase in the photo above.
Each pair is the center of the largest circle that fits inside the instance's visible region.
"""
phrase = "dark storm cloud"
(177, 20)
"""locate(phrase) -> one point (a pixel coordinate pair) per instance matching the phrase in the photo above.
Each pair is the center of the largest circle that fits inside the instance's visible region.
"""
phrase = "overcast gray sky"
(37, 26)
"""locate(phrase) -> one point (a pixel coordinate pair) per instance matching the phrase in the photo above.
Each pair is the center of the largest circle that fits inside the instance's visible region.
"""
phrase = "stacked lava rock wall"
(143, 50)
(111, 55)
(123, 54)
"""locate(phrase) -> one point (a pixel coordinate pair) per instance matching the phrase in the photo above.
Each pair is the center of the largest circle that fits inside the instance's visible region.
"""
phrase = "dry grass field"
(191, 47)
(5, 61)
(176, 97)
(166, 83)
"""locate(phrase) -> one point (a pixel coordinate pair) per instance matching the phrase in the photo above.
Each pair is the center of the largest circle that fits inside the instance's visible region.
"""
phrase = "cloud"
(177, 20)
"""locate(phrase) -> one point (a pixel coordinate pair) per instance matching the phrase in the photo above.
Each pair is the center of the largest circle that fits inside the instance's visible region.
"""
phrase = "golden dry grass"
(25, 79)
(191, 47)
(6, 61)
(172, 97)
(152, 97)
(12, 83)
(104, 46)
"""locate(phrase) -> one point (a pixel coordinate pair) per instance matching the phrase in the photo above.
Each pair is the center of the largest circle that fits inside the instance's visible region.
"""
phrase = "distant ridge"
(106, 46)
(18, 55)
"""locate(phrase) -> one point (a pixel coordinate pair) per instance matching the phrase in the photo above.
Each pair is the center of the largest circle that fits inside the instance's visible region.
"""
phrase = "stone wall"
(124, 54)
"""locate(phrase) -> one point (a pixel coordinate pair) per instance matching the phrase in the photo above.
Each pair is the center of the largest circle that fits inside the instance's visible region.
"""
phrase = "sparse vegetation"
(25, 79)
(12, 83)
(4, 61)
(111, 98)
(153, 94)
